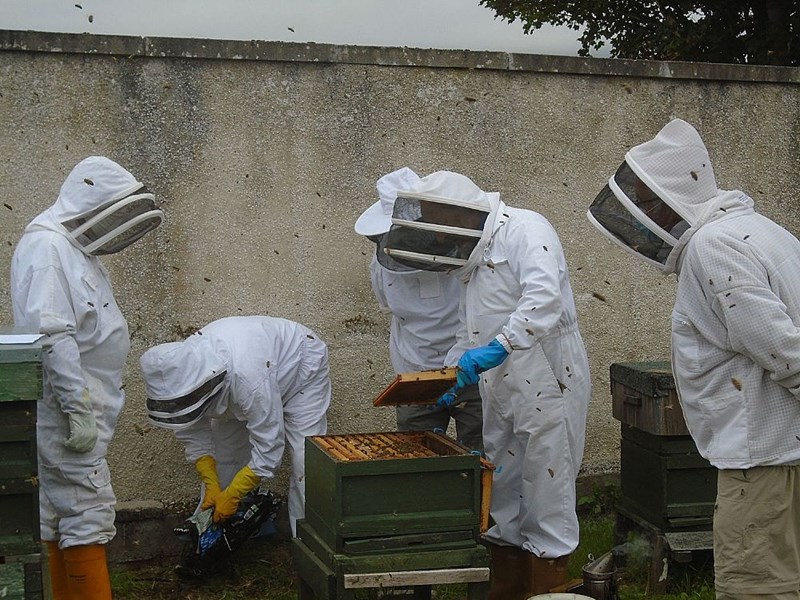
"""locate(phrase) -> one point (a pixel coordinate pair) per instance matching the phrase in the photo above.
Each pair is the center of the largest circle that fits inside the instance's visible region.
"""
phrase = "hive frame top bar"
(388, 445)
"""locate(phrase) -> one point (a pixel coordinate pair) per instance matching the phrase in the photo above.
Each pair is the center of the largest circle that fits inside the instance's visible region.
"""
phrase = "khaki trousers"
(757, 533)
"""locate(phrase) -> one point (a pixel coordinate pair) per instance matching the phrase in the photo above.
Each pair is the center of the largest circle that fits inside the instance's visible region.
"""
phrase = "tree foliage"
(729, 31)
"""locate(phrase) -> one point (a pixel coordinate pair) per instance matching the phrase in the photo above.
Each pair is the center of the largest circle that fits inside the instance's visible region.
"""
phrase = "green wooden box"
(20, 389)
(665, 481)
(323, 573)
(643, 395)
(406, 497)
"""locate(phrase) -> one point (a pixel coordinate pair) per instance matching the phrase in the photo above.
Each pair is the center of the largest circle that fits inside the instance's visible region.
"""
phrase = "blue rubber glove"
(448, 398)
(476, 361)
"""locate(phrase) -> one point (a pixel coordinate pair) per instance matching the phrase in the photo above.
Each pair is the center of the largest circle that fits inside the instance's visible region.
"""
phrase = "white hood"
(676, 167)
(180, 380)
(97, 183)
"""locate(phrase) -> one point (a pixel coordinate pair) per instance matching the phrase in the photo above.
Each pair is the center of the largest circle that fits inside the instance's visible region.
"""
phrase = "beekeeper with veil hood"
(236, 393)
(424, 309)
(735, 346)
(60, 288)
(519, 339)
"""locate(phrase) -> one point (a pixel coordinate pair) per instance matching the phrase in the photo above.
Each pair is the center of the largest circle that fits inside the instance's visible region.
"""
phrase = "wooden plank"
(444, 445)
(20, 353)
(338, 447)
(359, 448)
(383, 445)
(409, 578)
(658, 571)
(331, 449)
(384, 448)
(486, 498)
(417, 541)
(401, 448)
(318, 581)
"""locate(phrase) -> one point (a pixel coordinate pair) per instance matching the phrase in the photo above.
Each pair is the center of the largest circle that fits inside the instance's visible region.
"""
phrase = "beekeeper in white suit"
(60, 288)
(735, 346)
(520, 339)
(236, 393)
(424, 309)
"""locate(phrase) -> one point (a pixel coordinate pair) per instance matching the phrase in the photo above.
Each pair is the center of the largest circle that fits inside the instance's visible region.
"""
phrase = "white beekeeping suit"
(520, 329)
(425, 320)
(735, 345)
(239, 391)
(61, 289)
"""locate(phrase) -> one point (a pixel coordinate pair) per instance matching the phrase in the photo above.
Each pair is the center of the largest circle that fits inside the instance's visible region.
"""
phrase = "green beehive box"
(20, 389)
(424, 489)
(665, 481)
(644, 396)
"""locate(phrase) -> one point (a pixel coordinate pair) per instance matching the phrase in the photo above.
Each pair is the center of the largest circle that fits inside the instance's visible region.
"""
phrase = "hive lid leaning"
(418, 387)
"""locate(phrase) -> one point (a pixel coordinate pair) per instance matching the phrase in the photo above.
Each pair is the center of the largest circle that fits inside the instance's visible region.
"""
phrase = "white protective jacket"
(736, 319)
(65, 294)
(277, 391)
(535, 403)
(424, 309)
(736, 341)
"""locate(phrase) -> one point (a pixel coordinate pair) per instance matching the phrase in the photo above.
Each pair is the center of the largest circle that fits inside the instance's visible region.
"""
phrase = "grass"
(263, 569)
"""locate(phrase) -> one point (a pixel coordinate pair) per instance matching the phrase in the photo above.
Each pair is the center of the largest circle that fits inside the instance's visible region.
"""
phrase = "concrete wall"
(264, 154)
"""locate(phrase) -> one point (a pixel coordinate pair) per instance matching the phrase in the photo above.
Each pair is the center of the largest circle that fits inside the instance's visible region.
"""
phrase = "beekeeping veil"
(182, 380)
(442, 223)
(374, 223)
(659, 196)
(104, 208)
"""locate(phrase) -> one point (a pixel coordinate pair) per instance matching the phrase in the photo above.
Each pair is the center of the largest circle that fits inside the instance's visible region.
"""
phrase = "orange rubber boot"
(58, 572)
(87, 572)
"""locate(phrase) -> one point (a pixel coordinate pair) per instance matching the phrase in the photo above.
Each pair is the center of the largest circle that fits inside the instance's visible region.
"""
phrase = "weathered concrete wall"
(263, 155)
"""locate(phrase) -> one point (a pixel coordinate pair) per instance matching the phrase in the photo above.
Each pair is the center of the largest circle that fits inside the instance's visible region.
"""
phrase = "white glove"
(82, 432)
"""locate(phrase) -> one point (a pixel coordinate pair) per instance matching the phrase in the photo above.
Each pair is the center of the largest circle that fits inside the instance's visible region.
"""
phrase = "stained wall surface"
(264, 154)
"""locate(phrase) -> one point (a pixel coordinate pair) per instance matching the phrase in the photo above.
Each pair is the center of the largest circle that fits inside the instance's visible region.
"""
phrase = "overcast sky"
(449, 24)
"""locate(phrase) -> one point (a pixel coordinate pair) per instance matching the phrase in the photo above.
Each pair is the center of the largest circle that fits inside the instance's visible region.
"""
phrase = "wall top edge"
(193, 48)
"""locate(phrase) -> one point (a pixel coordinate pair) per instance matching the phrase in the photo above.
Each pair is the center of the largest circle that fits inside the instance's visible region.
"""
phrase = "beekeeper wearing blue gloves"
(60, 288)
(424, 309)
(236, 394)
(735, 346)
(519, 339)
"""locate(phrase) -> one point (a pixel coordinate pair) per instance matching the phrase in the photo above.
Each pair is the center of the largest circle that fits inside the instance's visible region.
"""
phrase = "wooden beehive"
(20, 389)
(407, 487)
(643, 396)
(664, 480)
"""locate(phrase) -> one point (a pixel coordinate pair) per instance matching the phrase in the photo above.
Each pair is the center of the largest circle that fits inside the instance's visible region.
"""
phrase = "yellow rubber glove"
(207, 469)
(227, 501)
